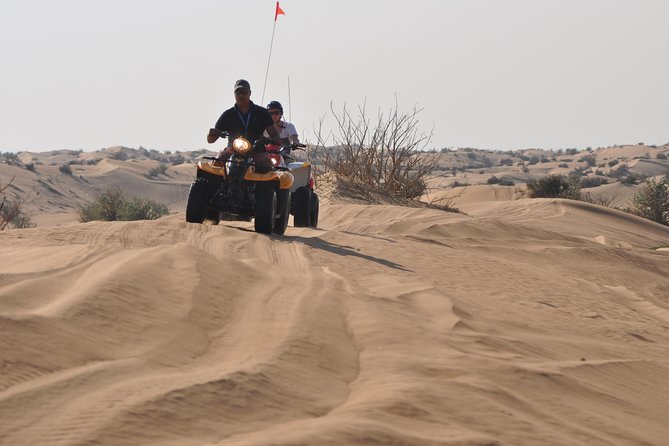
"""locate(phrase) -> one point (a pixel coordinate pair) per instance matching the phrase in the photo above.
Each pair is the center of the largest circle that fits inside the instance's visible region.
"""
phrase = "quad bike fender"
(209, 167)
(285, 178)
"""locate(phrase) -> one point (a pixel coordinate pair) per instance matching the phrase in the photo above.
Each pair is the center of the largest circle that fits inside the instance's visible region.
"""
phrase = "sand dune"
(523, 322)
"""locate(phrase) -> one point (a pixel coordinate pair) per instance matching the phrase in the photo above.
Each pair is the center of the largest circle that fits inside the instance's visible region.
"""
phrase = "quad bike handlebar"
(281, 149)
(219, 133)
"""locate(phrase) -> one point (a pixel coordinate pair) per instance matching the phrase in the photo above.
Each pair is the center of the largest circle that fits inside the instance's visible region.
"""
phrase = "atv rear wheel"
(302, 207)
(313, 212)
(283, 211)
(197, 201)
(266, 204)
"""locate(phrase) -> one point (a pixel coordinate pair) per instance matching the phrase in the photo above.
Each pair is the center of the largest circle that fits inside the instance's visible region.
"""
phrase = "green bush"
(632, 178)
(505, 182)
(456, 183)
(493, 180)
(119, 156)
(652, 201)
(65, 169)
(106, 206)
(178, 159)
(590, 160)
(30, 167)
(10, 157)
(593, 181)
(138, 208)
(112, 205)
(620, 172)
(555, 186)
(155, 171)
(11, 212)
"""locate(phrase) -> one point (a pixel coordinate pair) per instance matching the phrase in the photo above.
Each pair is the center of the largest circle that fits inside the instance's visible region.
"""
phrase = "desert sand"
(524, 322)
(515, 322)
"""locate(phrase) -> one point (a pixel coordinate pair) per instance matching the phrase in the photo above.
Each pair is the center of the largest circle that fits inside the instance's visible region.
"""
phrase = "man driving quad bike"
(247, 120)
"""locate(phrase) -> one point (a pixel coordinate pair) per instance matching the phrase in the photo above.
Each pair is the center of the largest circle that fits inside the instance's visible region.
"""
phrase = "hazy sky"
(494, 74)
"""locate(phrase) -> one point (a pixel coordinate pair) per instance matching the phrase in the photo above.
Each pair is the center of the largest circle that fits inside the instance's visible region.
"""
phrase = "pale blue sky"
(493, 74)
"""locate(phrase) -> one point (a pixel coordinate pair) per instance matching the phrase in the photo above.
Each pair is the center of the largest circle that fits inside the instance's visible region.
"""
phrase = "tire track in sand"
(256, 338)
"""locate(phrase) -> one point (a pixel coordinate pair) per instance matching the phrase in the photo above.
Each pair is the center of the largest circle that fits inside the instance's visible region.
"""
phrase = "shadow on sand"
(341, 250)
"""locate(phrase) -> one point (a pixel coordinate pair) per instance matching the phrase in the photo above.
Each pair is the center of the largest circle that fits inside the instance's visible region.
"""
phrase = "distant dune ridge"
(515, 322)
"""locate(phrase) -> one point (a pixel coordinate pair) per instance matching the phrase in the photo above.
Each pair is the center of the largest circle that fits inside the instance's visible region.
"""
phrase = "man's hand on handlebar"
(214, 134)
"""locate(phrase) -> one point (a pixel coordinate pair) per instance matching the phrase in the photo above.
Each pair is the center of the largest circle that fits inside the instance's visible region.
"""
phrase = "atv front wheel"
(266, 204)
(283, 212)
(197, 201)
(214, 216)
(302, 207)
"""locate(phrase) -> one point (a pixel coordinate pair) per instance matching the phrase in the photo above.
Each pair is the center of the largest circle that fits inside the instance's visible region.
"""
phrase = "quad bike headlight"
(241, 145)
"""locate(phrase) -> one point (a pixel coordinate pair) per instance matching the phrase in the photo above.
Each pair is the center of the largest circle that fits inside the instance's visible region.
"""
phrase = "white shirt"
(287, 131)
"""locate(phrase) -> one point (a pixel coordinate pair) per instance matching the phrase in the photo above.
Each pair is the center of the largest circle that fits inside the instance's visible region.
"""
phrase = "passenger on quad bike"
(247, 120)
(286, 130)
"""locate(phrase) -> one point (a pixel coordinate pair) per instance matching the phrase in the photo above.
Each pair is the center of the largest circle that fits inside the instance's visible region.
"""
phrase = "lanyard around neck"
(246, 122)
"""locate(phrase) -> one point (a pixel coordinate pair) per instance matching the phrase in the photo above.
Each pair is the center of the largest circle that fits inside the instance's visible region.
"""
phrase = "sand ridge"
(519, 322)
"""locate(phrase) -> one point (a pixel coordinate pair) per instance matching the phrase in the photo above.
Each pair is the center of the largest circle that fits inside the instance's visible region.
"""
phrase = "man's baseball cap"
(242, 84)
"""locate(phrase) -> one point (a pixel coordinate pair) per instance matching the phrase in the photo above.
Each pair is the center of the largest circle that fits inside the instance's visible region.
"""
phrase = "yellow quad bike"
(238, 189)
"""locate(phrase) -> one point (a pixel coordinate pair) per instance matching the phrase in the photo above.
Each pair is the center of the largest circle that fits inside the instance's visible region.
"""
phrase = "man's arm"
(221, 125)
(211, 136)
(292, 134)
(273, 134)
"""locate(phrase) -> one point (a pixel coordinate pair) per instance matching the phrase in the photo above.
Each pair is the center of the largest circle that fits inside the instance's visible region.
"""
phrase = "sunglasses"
(275, 113)
(242, 92)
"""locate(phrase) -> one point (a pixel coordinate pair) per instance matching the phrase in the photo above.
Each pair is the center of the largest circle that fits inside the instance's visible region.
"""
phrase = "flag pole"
(271, 44)
(290, 117)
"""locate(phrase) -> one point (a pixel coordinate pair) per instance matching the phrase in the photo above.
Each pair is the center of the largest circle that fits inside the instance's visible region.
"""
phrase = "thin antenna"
(290, 117)
(262, 101)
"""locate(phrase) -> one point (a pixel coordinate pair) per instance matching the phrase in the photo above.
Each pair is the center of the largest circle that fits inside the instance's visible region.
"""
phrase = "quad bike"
(238, 188)
(304, 204)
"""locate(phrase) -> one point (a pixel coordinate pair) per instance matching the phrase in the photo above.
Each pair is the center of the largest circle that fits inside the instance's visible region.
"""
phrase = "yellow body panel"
(209, 167)
(285, 178)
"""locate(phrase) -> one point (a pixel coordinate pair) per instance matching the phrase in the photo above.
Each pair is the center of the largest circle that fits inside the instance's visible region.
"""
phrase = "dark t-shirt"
(234, 122)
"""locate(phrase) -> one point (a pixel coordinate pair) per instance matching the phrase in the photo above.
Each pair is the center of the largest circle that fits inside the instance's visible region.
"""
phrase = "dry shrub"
(112, 205)
(555, 186)
(384, 155)
(11, 212)
(155, 171)
(446, 202)
(652, 201)
(607, 200)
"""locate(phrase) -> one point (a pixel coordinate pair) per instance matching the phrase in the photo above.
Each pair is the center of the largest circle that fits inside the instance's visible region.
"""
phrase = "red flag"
(278, 12)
